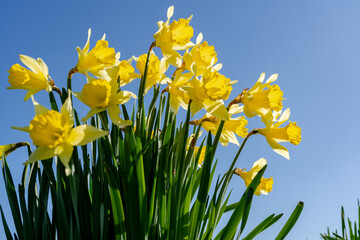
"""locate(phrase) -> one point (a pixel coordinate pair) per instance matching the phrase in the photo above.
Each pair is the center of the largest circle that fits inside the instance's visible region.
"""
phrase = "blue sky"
(313, 45)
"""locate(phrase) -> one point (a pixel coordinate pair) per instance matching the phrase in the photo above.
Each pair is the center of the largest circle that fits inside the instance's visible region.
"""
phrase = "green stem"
(143, 78)
(255, 131)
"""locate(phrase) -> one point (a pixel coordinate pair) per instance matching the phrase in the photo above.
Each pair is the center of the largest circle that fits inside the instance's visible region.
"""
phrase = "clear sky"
(313, 45)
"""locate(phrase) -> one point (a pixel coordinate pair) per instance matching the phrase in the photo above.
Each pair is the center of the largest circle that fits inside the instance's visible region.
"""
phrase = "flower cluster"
(196, 83)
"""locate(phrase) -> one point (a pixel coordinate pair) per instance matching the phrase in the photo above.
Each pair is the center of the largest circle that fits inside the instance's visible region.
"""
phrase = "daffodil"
(262, 98)
(178, 97)
(216, 85)
(196, 149)
(201, 55)
(155, 72)
(231, 127)
(97, 59)
(126, 72)
(6, 149)
(265, 185)
(199, 99)
(275, 134)
(101, 95)
(173, 37)
(33, 80)
(54, 134)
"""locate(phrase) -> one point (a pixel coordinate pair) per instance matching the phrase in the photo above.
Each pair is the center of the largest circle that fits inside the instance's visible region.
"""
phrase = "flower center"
(97, 93)
(181, 32)
(49, 129)
(125, 69)
(217, 86)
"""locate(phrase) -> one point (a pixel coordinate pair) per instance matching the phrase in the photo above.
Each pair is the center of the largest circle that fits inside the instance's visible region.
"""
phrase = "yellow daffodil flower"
(265, 185)
(33, 80)
(101, 95)
(173, 37)
(201, 55)
(275, 134)
(97, 59)
(53, 133)
(178, 97)
(156, 70)
(231, 127)
(196, 149)
(216, 85)
(197, 93)
(201, 156)
(126, 72)
(6, 149)
(262, 98)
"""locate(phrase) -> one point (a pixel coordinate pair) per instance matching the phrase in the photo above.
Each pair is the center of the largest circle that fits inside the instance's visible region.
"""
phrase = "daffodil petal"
(84, 134)
(114, 112)
(92, 112)
(259, 164)
(217, 109)
(31, 63)
(170, 12)
(87, 45)
(284, 116)
(39, 109)
(279, 149)
(272, 78)
(236, 108)
(25, 129)
(41, 153)
(199, 38)
(174, 103)
(66, 109)
(65, 154)
(44, 68)
(29, 93)
(123, 97)
(195, 107)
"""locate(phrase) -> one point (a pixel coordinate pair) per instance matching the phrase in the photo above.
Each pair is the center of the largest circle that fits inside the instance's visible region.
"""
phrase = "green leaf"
(262, 226)
(241, 208)
(5, 225)
(291, 221)
(116, 204)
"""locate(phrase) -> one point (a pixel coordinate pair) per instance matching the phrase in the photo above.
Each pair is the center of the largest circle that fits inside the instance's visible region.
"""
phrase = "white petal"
(31, 63)
(218, 67)
(43, 67)
(170, 12)
(272, 78)
(261, 78)
(39, 109)
(199, 39)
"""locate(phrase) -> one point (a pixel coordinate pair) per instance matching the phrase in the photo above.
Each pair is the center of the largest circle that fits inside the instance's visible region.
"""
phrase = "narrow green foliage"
(351, 231)
(291, 221)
